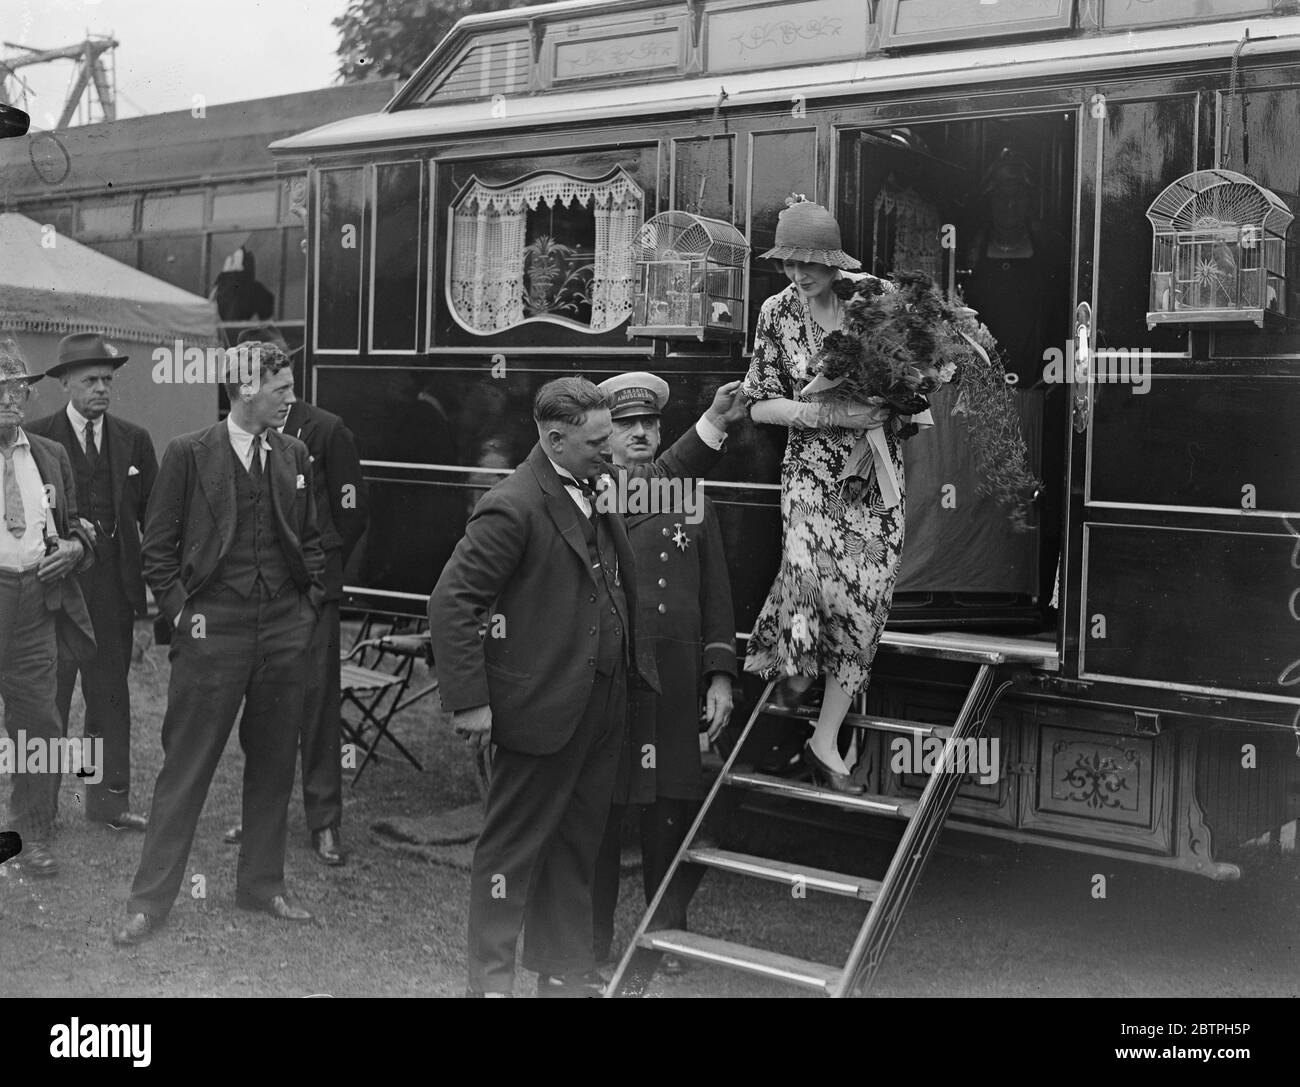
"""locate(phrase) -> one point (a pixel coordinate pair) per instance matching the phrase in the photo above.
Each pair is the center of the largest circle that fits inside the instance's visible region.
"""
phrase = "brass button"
(665, 532)
(618, 631)
(663, 583)
(613, 610)
(592, 631)
(592, 598)
(663, 556)
(663, 608)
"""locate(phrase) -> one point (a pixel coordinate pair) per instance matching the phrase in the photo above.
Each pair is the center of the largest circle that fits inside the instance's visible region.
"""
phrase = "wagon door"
(1180, 569)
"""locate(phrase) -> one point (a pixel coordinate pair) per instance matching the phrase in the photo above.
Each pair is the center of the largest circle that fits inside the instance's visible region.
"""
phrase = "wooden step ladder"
(886, 897)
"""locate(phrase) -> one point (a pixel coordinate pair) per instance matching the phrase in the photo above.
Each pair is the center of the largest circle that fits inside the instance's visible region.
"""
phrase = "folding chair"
(377, 683)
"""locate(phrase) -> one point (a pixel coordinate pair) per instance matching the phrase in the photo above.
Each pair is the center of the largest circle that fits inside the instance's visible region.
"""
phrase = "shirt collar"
(241, 436)
(79, 421)
(21, 440)
(563, 473)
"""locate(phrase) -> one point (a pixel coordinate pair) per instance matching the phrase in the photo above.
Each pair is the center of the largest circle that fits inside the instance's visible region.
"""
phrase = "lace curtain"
(489, 235)
(912, 223)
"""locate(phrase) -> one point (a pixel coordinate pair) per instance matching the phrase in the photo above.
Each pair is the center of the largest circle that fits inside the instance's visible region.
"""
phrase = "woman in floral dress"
(841, 545)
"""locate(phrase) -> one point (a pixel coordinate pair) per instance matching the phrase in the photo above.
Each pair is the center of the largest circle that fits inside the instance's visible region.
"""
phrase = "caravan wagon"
(1136, 650)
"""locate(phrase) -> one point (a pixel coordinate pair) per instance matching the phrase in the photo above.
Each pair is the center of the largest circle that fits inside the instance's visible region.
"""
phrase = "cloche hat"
(808, 232)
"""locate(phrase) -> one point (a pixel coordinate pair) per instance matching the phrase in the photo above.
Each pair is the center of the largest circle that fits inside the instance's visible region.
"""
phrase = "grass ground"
(1010, 921)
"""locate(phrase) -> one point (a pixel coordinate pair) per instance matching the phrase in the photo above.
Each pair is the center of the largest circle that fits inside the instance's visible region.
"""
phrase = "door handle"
(1082, 376)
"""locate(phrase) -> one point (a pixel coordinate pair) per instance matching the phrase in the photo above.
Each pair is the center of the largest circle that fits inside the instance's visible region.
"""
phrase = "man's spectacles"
(15, 391)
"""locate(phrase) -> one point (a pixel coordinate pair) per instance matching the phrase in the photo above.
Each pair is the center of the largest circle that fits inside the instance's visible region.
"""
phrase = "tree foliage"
(386, 39)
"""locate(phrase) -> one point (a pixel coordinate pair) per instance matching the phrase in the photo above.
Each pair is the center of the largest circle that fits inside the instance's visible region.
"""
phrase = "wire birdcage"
(1218, 252)
(689, 278)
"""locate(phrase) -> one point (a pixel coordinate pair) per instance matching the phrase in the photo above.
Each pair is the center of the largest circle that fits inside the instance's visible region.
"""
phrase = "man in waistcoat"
(342, 509)
(114, 466)
(232, 552)
(546, 572)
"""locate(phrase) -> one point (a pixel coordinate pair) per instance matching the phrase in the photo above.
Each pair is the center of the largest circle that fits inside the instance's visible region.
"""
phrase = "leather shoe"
(827, 778)
(37, 860)
(137, 928)
(279, 906)
(590, 984)
(234, 835)
(328, 847)
(128, 820)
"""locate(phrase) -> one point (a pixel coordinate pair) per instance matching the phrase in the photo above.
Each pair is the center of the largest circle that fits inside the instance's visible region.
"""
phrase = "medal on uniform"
(680, 538)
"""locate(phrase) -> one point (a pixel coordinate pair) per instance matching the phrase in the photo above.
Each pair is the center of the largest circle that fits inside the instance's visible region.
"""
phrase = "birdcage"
(1219, 252)
(689, 278)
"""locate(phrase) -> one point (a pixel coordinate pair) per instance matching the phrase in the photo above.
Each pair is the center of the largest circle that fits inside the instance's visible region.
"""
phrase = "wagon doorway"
(985, 206)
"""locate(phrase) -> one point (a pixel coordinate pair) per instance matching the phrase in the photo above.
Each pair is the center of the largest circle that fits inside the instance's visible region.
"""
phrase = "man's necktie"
(15, 517)
(255, 465)
(589, 489)
(92, 450)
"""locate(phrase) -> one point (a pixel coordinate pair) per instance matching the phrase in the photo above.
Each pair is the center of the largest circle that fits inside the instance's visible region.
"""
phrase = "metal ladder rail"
(920, 836)
(635, 970)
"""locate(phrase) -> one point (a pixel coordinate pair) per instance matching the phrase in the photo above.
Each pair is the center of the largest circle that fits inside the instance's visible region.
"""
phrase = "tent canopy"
(50, 283)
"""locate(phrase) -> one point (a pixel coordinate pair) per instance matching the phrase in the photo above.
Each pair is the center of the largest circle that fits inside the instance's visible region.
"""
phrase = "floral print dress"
(841, 546)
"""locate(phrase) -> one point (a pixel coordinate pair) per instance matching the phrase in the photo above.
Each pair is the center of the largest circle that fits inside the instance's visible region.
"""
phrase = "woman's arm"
(782, 411)
(785, 412)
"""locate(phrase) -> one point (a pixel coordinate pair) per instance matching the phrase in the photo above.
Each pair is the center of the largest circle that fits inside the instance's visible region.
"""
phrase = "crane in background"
(93, 70)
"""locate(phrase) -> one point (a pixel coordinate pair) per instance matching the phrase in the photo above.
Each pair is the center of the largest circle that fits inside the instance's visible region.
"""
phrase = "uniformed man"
(685, 615)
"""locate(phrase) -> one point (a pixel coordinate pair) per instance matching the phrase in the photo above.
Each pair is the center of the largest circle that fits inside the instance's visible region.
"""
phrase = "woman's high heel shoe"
(824, 776)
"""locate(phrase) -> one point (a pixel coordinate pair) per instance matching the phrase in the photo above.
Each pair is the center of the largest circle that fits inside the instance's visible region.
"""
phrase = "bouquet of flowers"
(901, 339)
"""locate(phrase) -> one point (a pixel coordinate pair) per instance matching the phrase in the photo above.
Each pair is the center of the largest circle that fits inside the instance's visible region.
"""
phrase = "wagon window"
(338, 257)
(704, 178)
(548, 247)
(780, 163)
(1148, 145)
(396, 263)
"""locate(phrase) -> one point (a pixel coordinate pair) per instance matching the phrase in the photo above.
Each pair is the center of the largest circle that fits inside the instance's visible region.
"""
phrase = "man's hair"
(567, 400)
(251, 363)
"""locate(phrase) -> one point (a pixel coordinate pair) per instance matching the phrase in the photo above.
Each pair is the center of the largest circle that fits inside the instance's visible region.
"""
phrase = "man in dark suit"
(232, 552)
(114, 465)
(42, 612)
(685, 620)
(341, 507)
(533, 642)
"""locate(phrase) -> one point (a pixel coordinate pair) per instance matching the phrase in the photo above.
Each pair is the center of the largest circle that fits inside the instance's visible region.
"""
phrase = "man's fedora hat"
(808, 232)
(637, 393)
(85, 349)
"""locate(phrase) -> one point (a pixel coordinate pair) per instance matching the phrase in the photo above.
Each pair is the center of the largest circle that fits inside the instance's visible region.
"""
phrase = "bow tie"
(587, 487)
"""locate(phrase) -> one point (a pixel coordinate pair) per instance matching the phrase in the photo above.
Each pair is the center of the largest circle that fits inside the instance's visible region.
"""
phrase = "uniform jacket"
(341, 497)
(134, 467)
(685, 620)
(524, 558)
(76, 635)
(191, 521)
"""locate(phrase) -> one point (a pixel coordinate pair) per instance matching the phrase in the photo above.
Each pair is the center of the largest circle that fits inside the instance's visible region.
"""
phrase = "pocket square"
(133, 471)
(301, 484)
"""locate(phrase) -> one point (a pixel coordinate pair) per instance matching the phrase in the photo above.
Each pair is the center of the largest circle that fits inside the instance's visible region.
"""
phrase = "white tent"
(51, 286)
